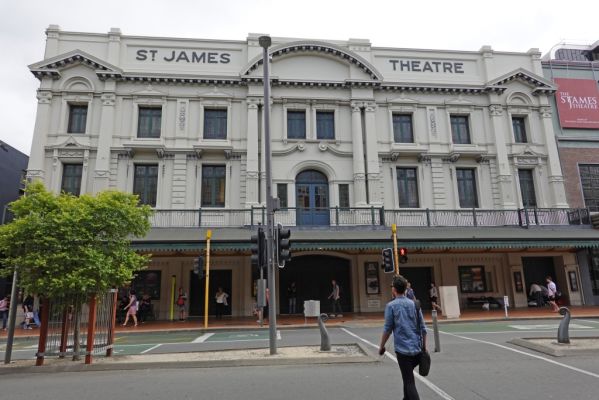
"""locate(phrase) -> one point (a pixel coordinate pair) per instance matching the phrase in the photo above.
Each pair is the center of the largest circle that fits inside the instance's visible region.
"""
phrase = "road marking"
(582, 371)
(151, 348)
(483, 332)
(588, 320)
(547, 326)
(422, 379)
(202, 338)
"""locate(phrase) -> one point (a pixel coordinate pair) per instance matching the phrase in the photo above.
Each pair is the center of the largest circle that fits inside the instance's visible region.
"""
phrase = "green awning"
(375, 245)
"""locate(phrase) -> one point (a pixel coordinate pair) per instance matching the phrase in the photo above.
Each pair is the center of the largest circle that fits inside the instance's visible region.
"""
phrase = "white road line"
(151, 348)
(582, 371)
(422, 379)
(545, 331)
(202, 338)
(588, 320)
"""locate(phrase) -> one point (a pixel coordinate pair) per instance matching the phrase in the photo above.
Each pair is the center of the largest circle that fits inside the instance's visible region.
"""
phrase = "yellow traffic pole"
(395, 253)
(208, 237)
(173, 289)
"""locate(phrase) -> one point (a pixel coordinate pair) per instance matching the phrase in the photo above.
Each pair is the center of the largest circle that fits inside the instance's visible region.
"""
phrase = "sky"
(506, 25)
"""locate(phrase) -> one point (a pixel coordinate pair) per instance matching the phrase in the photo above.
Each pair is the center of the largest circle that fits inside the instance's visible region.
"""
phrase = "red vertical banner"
(91, 329)
(577, 103)
(43, 339)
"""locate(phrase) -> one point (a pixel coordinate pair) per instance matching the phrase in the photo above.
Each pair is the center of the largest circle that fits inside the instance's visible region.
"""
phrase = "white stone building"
(449, 145)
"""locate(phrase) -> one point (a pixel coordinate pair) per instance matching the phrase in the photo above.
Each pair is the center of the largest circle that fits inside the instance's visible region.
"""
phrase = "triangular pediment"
(528, 153)
(52, 66)
(149, 90)
(520, 74)
(215, 92)
(402, 99)
(70, 143)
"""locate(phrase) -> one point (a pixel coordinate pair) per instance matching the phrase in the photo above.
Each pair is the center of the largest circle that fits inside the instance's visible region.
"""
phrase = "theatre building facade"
(455, 147)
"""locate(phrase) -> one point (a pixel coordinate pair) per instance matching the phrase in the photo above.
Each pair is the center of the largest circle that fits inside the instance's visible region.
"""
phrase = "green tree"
(72, 247)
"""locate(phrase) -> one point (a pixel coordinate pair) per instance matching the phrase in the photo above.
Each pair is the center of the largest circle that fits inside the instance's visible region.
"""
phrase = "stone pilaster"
(504, 176)
(372, 155)
(555, 177)
(101, 175)
(358, 157)
(37, 157)
(252, 167)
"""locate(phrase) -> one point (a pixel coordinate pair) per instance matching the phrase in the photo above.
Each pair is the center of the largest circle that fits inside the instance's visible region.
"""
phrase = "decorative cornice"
(424, 158)
(452, 158)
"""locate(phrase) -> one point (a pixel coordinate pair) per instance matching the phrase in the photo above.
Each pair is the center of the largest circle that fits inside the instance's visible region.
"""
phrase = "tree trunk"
(77, 332)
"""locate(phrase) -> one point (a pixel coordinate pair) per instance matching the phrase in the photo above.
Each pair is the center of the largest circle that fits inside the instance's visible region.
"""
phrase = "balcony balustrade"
(369, 216)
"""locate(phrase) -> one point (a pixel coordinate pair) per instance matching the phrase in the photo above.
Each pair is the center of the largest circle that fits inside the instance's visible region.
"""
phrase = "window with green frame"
(145, 183)
(213, 185)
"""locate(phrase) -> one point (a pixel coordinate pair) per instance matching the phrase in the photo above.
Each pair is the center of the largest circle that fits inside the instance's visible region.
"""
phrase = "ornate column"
(252, 168)
(504, 174)
(358, 148)
(372, 156)
(102, 172)
(37, 158)
(555, 177)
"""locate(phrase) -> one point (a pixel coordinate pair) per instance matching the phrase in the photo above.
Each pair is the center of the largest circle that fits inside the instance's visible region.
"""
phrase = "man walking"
(409, 335)
(552, 293)
(335, 300)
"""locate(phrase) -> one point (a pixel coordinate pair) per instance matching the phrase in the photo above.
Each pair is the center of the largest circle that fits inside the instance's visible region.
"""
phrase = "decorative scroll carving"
(44, 97)
(108, 99)
(495, 110)
(424, 158)
(452, 158)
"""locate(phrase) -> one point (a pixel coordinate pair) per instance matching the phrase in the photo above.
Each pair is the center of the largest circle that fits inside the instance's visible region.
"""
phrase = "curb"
(367, 357)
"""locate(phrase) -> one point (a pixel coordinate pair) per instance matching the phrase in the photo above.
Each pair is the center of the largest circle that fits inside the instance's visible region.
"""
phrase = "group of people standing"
(538, 293)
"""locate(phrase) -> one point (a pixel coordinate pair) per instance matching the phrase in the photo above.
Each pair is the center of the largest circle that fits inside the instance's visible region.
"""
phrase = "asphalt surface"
(475, 362)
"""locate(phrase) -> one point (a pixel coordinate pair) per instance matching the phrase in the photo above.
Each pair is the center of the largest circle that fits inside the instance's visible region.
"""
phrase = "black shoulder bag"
(424, 364)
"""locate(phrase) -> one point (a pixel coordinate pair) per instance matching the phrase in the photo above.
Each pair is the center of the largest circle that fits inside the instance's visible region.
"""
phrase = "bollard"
(436, 332)
(563, 334)
(506, 304)
(325, 342)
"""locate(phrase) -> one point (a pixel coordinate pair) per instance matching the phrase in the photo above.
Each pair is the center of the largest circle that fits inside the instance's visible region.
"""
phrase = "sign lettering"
(183, 56)
(445, 67)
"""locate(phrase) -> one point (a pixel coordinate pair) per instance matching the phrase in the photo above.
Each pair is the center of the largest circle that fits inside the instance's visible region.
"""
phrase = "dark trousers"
(336, 306)
(406, 366)
(220, 310)
(4, 316)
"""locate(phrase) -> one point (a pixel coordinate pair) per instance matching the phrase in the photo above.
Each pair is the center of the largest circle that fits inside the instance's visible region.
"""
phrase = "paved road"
(476, 363)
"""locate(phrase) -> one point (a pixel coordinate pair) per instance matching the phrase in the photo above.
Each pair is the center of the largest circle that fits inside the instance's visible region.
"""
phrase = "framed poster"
(518, 281)
(573, 281)
(371, 269)
(472, 279)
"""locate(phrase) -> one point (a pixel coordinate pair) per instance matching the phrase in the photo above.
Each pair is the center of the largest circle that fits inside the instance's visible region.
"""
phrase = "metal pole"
(12, 317)
(436, 332)
(208, 237)
(265, 42)
(43, 339)
(395, 253)
(91, 329)
(173, 288)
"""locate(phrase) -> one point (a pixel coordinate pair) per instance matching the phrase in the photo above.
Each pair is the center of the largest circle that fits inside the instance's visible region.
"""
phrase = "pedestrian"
(536, 293)
(433, 295)
(335, 297)
(292, 296)
(409, 335)
(221, 302)
(4, 306)
(552, 293)
(181, 300)
(131, 308)
(410, 292)
(145, 307)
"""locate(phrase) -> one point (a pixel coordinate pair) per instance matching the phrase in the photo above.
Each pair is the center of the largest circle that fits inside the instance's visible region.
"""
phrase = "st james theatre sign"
(183, 56)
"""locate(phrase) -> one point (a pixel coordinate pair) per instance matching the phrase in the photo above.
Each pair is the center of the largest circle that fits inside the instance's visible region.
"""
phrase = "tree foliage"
(69, 246)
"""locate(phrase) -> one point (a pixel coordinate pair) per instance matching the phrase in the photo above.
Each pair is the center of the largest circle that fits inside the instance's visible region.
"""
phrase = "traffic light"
(258, 249)
(282, 245)
(388, 260)
(403, 255)
(198, 266)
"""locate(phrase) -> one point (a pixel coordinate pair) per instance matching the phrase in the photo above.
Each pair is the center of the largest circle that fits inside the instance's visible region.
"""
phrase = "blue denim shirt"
(400, 318)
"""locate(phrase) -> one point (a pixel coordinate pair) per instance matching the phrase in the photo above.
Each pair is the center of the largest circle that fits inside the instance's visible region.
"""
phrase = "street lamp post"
(265, 42)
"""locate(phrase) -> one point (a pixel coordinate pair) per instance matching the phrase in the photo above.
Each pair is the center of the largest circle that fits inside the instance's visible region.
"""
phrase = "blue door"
(312, 198)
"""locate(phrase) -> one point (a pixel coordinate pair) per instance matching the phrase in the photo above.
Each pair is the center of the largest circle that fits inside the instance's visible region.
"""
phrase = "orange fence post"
(91, 329)
(41, 346)
(64, 333)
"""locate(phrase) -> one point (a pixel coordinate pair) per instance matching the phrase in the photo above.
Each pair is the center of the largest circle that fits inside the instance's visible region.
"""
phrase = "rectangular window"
(407, 186)
(325, 125)
(527, 188)
(519, 126)
(145, 183)
(402, 128)
(149, 122)
(77, 118)
(472, 279)
(215, 123)
(147, 282)
(296, 124)
(343, 195)
(467, 187)
(460, 129)
(71, 178)
(282, 194)
(589, 180)
(213, 185)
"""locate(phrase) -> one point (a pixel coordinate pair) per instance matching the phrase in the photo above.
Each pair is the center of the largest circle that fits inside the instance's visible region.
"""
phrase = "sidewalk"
(349, 319)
